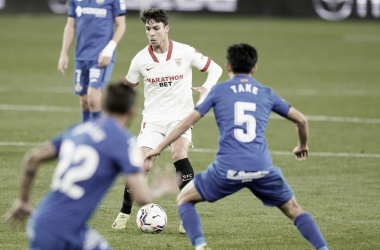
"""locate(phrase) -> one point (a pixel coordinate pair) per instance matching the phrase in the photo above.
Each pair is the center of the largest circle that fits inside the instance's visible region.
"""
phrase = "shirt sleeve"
(57, 142)
(205, 105)
(129, 157)
(133, 75)
(71, 11)
(280, 106)
(198, 60)
(119, 8)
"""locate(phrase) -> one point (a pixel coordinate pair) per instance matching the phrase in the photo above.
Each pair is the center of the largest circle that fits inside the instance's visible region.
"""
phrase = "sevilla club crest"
(178, 61)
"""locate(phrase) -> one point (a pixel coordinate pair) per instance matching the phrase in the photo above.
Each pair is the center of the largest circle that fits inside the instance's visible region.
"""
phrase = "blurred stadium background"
(322, 56)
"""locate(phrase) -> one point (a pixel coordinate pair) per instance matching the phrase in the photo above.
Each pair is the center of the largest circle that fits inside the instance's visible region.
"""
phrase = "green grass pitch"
(327, 70)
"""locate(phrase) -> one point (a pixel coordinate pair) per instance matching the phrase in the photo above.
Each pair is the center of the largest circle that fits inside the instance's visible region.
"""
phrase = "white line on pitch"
(323, 118)
(12, 107)
(213, 151)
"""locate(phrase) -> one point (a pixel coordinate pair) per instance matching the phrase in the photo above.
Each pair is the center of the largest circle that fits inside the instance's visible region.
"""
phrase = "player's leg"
(98, 79)
(150, 136)
(179, 150)
(181, 162)
(84, 107)
(273, 190)
(305, 224)
(80, 87)
(93, 99)
(209, 185)
(189, 216)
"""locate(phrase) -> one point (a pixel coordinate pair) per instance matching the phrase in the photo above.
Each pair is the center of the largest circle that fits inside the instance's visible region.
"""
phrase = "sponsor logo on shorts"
(245, 176)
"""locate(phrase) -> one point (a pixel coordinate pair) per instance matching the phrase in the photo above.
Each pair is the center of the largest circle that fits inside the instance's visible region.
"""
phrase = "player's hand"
(150, 157)
(19, 212)
(103, 60)
(201, 90)
(62, 63)
(301, 152)
(163, 182)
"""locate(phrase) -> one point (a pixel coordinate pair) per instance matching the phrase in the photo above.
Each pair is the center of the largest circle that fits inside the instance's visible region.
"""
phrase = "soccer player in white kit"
(166, 69)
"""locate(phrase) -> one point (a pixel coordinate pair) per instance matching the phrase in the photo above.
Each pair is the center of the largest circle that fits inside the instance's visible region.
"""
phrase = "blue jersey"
(242, 107)
(91, 155)
(94, 25)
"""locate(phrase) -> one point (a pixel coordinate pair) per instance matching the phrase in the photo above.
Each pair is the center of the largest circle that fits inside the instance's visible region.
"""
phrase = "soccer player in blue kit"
(92, 21)
(91, 155)
(242, 107)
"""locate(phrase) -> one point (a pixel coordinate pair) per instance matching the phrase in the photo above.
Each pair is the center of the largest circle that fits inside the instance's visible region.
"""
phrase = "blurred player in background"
(91, 155)
(242, 107)
(93, 23)
(166, 69)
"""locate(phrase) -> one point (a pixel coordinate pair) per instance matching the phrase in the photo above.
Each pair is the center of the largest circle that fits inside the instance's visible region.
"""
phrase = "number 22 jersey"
(91, 155)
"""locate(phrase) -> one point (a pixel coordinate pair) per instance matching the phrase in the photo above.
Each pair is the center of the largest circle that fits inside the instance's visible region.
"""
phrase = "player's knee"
(84, 104)
(180, 199)
(179, 154)
(291, 209)
(93, 103)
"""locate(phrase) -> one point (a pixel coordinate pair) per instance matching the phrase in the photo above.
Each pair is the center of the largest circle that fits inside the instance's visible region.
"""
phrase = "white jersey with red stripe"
(167, 80)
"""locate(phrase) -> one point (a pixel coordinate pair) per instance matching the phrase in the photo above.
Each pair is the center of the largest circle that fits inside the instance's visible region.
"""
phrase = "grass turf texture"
(321, 68)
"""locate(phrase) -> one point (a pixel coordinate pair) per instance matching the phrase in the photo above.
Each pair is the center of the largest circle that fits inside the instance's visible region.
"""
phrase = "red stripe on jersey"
(170, 50)
(207, 65)
(150, 49)
(131, 84)
(168, 57)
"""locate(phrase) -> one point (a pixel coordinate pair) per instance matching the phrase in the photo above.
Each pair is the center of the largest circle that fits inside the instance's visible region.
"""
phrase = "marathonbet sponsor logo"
(165, 79)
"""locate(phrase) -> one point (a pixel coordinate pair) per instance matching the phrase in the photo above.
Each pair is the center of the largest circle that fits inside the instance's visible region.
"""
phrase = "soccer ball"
(151, 218)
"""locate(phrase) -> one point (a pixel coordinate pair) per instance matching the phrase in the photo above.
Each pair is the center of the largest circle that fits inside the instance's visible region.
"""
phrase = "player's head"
(241, 58)
(119, 99)
(156, 25)
(157, 15)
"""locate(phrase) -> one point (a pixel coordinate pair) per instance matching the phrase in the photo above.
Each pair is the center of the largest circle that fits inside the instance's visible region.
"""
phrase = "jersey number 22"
(86, 161)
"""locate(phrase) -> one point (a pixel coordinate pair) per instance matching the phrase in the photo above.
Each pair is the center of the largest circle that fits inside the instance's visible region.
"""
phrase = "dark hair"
(242, 58)
(119, 98)
(158, 15)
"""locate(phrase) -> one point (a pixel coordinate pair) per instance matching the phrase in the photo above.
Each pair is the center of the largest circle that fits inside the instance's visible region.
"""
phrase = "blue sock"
(95, 115)
(85, 116)
(310, 231)
(192, 223)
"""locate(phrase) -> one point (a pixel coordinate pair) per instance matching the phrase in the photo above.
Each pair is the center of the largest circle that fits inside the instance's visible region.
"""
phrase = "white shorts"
(153, 133)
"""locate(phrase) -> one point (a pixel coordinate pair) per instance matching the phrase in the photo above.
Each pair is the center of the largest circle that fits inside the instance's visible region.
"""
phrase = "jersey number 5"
(241, 117)
(85, 160)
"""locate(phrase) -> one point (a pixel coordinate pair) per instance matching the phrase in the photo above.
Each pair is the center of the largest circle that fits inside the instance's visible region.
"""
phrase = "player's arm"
(68, 38)
(162, 184)
(214, 71)
(178, 130)
(205, 64)
(302, 150)
(133, 76)
(22, 208)
(105, 56)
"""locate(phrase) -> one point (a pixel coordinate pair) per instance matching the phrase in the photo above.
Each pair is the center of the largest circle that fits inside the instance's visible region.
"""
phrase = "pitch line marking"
(322, 118)
(213, 151)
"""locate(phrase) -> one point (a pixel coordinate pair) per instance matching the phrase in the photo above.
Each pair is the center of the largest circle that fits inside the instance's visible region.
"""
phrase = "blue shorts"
(269, 186)
(86, 239)
(88, 74)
